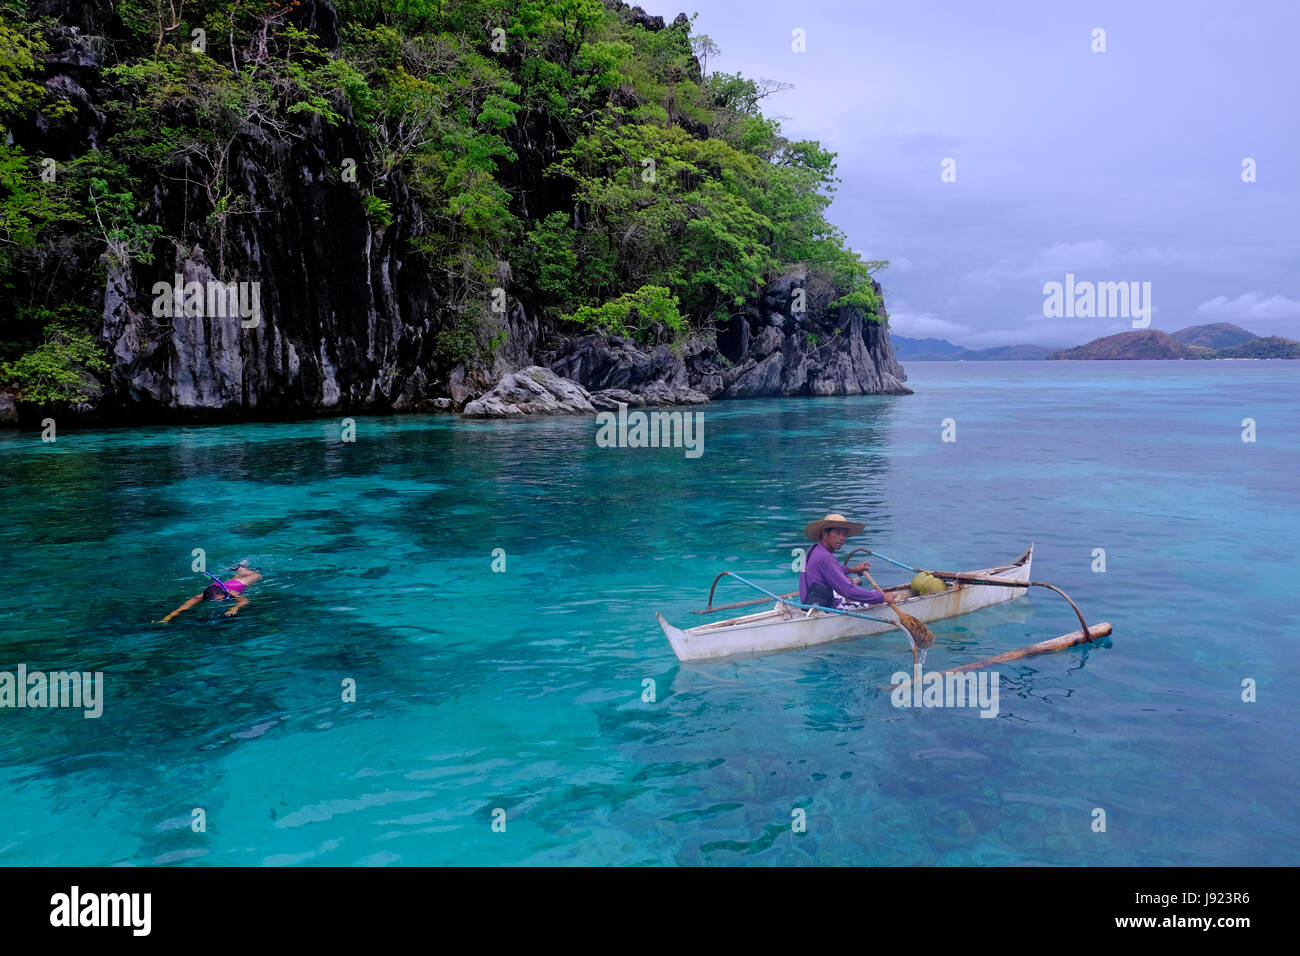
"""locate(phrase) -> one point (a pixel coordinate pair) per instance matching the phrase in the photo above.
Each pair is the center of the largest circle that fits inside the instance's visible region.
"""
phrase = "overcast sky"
(1123, 165)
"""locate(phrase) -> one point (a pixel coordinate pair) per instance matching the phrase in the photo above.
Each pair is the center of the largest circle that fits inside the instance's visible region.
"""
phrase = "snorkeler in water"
(220, 590)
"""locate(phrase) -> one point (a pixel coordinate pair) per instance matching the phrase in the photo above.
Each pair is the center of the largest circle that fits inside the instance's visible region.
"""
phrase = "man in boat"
(822, 581)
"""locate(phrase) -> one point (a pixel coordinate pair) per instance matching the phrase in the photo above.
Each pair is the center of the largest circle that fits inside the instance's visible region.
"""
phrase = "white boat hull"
(786, 628)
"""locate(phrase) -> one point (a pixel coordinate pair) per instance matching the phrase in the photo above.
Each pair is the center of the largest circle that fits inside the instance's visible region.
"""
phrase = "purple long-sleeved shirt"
(820, 567)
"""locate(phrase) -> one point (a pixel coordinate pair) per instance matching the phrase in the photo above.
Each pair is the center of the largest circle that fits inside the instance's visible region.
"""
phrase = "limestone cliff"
(349, 307)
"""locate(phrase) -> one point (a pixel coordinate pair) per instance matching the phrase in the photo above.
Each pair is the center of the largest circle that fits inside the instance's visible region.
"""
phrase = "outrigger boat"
(788, 626)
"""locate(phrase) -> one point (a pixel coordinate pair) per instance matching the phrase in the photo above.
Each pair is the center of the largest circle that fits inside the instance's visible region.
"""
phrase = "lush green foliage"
(57, 370)
(458, 342)
(379, 210)
(649, 314)
(29, 201)
(549, 146)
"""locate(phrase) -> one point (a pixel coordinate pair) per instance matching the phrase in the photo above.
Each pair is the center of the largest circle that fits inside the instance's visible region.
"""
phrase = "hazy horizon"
(1170, 332)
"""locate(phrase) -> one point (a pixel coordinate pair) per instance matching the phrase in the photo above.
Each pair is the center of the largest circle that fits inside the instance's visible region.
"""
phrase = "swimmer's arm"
(240, 601)
(184, 607)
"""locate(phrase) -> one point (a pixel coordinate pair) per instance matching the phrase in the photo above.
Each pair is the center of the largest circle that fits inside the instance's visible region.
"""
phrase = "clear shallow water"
(522, 690)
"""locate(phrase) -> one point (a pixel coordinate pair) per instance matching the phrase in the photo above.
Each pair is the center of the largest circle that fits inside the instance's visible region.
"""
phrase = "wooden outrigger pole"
(976, 579)
(1042, 647)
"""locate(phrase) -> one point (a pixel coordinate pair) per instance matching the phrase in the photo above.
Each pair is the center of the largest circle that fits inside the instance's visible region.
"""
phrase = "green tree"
(60, 370)
(650, 314)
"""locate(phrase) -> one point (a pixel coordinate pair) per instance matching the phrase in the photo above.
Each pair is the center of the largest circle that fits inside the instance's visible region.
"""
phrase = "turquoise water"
(522, 690)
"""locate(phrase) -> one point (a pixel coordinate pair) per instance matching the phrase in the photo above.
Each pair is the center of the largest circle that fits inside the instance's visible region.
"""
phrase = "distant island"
(1221, 340)
(941, 350)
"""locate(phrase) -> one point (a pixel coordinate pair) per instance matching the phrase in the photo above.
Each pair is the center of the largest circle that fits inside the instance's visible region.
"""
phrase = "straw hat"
(814, 529)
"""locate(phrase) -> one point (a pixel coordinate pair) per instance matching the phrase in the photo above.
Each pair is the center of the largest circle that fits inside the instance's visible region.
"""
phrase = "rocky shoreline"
(771, 349)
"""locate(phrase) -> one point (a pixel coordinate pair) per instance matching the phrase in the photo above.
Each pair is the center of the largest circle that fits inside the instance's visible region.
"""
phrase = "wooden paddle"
(921, 635)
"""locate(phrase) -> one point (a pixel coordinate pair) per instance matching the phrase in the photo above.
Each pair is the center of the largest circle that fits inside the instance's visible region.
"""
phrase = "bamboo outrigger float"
(789, 625)
(1042, 647)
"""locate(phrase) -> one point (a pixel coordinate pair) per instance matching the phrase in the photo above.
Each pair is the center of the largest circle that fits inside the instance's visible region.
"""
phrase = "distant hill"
(1220, 335)
(1270, 347)
(1023, 353)
(1222, 340)
(941, 350)
(1154, 344)
(1138, 344)
(931, 349)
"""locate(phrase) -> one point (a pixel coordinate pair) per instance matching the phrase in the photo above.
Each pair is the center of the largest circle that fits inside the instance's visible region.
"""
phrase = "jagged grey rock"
(609, 399)
(600, 361)
(773, 348)
(531, 391)
(661, 393)
(763, 379)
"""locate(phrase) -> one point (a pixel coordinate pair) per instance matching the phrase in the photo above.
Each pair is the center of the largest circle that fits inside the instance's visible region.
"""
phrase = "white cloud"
(1063, 257)
(1034, 329)
(1162, 256)
(1084, 259)
(1059, 257)
(922, 325)
(1056, 333)
(1249, 307)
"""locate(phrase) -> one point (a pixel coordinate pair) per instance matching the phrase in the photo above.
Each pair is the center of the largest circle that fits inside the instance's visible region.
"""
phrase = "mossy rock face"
(925, 583)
